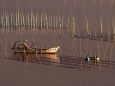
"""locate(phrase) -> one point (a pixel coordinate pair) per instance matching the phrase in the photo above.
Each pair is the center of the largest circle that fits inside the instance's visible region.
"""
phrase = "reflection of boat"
(51, 57)
(43, 58)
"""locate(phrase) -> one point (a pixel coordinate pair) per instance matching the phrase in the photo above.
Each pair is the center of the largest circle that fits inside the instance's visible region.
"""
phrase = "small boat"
(88, 59)
(24, 48)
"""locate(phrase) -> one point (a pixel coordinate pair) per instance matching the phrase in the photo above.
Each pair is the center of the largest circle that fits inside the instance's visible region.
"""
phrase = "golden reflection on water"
(36, 57)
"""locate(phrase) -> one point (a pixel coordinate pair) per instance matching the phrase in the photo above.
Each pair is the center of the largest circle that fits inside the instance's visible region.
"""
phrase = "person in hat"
(26, 47)
(95, 58)
(87, 57)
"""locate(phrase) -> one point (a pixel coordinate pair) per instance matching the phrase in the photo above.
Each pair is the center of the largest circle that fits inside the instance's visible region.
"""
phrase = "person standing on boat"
(87, 58)
(95, 58)
(26, 47)
(15, 44)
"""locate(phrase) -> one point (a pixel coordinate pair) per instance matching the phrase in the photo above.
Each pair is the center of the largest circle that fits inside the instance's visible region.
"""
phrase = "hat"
(25, 40)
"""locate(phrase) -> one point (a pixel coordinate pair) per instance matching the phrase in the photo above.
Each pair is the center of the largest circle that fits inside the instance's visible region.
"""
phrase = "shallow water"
(74, 47)
(24, 73)
(60, 70)
(15, 72)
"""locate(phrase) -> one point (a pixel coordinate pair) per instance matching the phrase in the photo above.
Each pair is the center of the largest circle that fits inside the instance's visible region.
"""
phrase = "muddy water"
(74, 47)
(16, 73)
(70, 47)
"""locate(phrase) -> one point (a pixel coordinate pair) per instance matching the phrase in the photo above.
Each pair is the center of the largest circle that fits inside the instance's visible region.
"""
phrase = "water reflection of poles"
(94, 2)
(68, 23)
(107, 40)
(109, 28)
(101, 24)
(28, 21)
(80, 47)
(6, 21)
(111, 54)
(113, 30)
(59, 21)
(54, 22)
(73, 27)
(46, 19)
(11, 21)
(72, 41)
(60, 25)
(4, 48)
(42, 21)
(87, 27)
(38, 21)
(99, 54)
(49, 24)
(92, 47)
(86, 20)
(2, 21)
(75, 3)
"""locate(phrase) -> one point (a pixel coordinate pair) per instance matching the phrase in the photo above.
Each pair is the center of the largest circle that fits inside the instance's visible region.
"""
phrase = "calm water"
(18, 73)
(74, 47)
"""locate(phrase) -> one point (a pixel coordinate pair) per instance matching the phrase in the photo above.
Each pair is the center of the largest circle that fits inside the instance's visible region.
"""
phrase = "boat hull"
(38, 51)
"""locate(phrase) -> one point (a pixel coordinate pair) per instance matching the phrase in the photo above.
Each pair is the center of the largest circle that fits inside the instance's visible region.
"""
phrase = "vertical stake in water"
(87, 27)
(101, 26)
(114, 30)
(41, 21)
(51, 21)
(55, 22)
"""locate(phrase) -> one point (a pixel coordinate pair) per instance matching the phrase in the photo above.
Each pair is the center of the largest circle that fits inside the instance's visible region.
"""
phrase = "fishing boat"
(22, 47)
(94, 59)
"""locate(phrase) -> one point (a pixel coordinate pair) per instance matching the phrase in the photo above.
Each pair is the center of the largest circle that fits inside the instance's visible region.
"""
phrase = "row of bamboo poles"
(43, 21)
(30, 21)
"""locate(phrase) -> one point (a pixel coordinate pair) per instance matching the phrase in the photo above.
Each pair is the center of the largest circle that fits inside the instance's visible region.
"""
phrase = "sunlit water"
(60, 72)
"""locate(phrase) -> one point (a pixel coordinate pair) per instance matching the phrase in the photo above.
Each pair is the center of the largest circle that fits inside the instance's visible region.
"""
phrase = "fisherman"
(26, 47)
(33, 46)
(95, 58)
(25, 42)
(87, 57)
(15, 44)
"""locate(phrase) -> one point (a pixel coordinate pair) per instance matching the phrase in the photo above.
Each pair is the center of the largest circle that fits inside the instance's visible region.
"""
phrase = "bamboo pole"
(11, 26)
(14, 23)
(68, 23)
(111, 54)
(6, 55)
(57, 23)
(49, 24)
(60, 22)
(42, 21)
(85, 19)
(92, 47)
(113, 29)
(6, 24)
(80, 42)
(101, 24)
